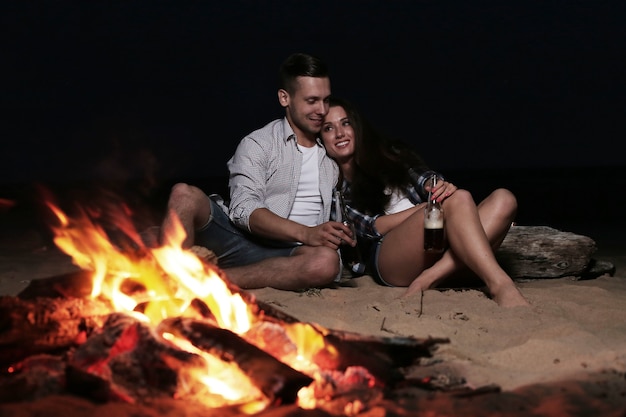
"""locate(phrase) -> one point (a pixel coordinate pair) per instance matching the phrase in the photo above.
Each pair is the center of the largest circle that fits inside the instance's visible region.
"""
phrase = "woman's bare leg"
(473, 234)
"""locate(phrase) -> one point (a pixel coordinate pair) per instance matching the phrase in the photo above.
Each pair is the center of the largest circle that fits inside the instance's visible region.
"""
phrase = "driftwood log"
(537, 252)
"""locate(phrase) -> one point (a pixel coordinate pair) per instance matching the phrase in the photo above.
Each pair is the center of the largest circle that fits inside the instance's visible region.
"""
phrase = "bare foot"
(509, 296)
(415, 288)
(424, 281)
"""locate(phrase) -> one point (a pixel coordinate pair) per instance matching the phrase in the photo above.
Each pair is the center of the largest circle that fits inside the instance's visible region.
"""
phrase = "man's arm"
(250, 169)
(267, 224)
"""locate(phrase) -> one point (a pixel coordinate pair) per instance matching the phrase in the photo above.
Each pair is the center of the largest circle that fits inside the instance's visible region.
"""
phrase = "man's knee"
(182, 191)
(188, 197)
(190, 204)
(321, 265)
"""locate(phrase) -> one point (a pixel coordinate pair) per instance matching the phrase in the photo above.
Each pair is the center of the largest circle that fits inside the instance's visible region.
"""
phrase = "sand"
(572, 338)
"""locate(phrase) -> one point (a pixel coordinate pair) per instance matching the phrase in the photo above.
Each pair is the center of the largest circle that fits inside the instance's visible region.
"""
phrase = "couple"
(275, 231)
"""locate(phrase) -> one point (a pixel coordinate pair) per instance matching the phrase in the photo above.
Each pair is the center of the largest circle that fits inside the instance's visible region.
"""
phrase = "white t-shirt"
(308, 202)
(398, 202)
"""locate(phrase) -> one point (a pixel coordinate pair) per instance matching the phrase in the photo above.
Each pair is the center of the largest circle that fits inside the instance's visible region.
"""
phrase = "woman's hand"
(443, 190)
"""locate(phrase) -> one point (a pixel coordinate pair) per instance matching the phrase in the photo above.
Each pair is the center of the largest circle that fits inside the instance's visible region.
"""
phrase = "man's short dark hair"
(300, 65)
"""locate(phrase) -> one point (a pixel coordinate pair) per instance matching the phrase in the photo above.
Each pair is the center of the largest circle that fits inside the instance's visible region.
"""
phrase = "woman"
(384, 185)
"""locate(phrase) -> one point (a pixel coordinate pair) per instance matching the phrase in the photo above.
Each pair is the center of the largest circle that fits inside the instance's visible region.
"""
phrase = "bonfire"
(163, 322)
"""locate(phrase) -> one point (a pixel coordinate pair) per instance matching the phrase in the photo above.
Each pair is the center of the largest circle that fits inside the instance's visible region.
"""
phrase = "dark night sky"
(137, 88)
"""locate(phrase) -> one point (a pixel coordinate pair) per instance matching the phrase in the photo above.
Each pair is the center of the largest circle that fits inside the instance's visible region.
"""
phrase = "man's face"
(307, 106)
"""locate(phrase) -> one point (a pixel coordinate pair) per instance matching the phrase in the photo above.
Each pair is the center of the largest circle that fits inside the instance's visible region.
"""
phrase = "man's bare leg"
(189, 205)
(308, 267)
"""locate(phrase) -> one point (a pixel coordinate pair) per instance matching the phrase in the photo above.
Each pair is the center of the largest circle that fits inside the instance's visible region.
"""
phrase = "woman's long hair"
(379, 163)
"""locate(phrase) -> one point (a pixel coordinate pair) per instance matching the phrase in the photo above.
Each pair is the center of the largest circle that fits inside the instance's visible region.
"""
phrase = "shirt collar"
(289, 134)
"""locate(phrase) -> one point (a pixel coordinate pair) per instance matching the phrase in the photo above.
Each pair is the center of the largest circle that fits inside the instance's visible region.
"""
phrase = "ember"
(161, 322)
(5, 203)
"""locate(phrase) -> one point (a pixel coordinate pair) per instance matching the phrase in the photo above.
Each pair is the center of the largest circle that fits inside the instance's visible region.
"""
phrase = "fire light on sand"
(157, 285)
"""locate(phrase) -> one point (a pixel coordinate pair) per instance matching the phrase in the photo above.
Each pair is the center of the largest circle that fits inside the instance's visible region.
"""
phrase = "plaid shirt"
(365, 224)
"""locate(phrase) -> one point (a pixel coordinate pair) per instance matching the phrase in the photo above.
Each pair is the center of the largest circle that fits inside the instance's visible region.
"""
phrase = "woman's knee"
(505, 201)
(460, 196)
(502, 200)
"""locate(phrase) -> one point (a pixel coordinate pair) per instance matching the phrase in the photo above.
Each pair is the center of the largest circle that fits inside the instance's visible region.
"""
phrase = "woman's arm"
(387, 222)
(374, 227)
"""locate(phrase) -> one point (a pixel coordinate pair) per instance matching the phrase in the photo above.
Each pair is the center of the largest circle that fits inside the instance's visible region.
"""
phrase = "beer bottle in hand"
(433, 221)
(350, 255)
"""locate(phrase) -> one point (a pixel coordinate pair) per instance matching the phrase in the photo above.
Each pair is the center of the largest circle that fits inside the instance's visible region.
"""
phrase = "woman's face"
(338, 135)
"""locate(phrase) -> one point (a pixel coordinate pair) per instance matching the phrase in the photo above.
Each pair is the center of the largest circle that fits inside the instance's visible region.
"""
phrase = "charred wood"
(382, 356)
(72, 285)
(46, 325)
(274, 378)
(126, 361)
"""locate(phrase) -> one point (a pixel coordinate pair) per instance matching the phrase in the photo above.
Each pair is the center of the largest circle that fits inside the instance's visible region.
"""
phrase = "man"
(275, 232)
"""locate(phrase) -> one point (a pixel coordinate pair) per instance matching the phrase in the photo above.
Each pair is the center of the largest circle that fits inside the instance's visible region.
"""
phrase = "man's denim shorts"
(233, 246)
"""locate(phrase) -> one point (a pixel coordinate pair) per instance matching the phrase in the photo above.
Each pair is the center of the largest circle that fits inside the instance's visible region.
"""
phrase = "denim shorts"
(374, 264)
(233, 246)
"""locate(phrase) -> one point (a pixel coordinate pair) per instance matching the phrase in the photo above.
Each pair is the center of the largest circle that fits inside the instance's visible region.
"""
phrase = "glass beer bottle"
(433, 221)
(350, 255)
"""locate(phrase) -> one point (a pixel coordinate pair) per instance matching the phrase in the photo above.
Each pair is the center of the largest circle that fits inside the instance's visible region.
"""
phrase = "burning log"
(37, 376)
(126, 360)
(382, 356)
(114, 356)
(65, 322)
(71, 285)
(46, 325)
(275, 379)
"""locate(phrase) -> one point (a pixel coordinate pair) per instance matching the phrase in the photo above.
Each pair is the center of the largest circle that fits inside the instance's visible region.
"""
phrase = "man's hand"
(329, 234)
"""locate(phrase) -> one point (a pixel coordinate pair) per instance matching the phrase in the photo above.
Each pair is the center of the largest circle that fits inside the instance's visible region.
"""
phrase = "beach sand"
(563, 355)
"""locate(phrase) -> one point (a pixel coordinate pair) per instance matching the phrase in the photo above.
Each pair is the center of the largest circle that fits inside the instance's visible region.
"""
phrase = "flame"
(162, 282)
(90, 248)
(310, 343)
(217, 379)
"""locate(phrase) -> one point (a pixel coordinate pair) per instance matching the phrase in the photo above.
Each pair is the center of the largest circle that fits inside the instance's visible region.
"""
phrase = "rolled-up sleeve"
(419, 181)
(264, 173)
(364, 224)
(248, 170)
